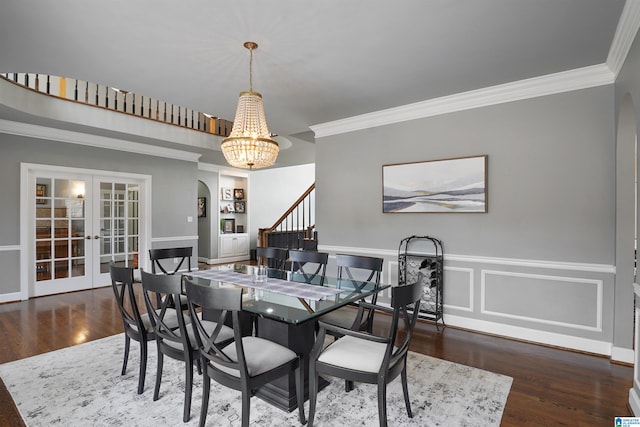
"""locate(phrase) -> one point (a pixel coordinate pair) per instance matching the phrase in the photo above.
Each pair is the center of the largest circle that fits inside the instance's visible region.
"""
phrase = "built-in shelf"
(233, 241)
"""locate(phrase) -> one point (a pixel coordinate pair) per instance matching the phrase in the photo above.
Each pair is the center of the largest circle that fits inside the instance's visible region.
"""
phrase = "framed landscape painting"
(450, 185)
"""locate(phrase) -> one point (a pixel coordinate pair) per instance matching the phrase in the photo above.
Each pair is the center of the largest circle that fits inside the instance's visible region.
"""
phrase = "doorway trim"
(27, 187)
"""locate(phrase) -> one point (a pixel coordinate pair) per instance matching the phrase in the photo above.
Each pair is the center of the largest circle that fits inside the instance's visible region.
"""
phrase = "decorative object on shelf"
(228, 208)
(229, 225)
(41, 191)
(226, 194)
(240, 229)
(238, 193)
(249, 145)
(202, 207)
(450, 185)
(240, 207)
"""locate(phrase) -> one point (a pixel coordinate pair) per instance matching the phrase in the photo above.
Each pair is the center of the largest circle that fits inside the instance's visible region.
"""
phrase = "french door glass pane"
(119, 223)
(59, 228)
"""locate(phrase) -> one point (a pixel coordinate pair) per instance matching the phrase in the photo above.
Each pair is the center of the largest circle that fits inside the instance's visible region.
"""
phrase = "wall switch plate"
(189, 219)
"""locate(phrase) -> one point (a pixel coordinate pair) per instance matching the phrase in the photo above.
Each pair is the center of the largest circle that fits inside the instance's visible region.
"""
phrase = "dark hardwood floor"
(551, 387)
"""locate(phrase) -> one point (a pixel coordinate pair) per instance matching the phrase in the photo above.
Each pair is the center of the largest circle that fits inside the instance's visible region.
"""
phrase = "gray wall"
(174, 186)
(551, 160)
(627, 84)
(539, 264)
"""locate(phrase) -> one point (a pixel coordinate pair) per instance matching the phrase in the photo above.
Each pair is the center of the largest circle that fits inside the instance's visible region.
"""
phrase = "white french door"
(117, 235)
(82, 222)
(61, 229)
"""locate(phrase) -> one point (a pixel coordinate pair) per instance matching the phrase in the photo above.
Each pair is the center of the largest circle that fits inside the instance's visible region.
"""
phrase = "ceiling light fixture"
(249, 145)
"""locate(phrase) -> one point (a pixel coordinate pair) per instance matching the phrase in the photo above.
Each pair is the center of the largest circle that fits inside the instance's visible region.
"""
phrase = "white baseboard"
(225, 260)
(634, 402)
(11, 297)
(623, 355)
(535, 336)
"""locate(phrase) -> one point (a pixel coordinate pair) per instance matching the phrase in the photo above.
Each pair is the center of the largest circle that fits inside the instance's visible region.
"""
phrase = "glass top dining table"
(284, 296)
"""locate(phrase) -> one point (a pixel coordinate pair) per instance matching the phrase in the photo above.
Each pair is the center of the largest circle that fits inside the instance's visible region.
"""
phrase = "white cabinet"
(234, 245)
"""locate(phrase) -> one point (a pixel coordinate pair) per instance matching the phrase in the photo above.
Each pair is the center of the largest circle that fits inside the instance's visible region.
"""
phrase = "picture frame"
(41, 191)
(240, 206)
(202, 207)
(457, 185)
(240, 229)
(229, 225)
(226, 194)
(238, 193)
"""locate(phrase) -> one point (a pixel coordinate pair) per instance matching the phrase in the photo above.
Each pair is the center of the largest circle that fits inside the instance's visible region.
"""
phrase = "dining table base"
(281, 393)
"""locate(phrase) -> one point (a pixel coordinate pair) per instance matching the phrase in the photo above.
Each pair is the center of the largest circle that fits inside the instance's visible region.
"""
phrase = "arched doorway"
(206, 213)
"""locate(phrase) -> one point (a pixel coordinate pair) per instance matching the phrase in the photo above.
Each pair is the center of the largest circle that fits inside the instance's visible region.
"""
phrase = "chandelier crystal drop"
(249, 145)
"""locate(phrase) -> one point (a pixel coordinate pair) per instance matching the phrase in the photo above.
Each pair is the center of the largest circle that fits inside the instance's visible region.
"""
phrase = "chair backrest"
(162, 296)
(227, 302)
(156, 255)
(272, 257)
(405, 301)
(356, 271)
(311, 265)
(122, 285)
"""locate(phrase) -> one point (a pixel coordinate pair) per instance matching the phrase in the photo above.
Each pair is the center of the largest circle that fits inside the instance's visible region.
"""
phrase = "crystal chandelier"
(249, 145)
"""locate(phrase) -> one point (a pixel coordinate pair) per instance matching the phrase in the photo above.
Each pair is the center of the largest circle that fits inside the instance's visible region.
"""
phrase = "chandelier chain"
(250, 70)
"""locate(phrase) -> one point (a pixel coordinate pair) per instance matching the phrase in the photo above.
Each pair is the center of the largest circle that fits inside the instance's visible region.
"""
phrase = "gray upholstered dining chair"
(364, 357)
(137, 326)
(173, 336)
(245, 364)
(310, 265)
(355, 272)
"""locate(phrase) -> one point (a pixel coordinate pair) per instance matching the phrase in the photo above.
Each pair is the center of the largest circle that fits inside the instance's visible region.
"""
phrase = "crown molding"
(71, 137)
(625, 35)
(565, 81)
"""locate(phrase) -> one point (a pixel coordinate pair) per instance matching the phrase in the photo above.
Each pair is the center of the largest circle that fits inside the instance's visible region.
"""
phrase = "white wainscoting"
(546, 296)
(567, 304)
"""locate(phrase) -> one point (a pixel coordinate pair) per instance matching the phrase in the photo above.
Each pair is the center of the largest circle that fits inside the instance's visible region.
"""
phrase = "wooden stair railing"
(295, 229)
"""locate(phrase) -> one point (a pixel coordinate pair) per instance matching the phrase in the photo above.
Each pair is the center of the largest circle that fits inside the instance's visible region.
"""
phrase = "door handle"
(96, 237)
(88, 237)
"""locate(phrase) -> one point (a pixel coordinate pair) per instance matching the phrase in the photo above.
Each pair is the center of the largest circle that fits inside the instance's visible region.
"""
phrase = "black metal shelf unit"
(420, 258)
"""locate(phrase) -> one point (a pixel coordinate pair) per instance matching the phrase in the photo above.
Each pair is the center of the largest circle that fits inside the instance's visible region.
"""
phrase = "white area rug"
(82, 386)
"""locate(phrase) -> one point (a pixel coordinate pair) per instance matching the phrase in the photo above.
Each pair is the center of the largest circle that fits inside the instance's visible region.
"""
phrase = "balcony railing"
(122, 101)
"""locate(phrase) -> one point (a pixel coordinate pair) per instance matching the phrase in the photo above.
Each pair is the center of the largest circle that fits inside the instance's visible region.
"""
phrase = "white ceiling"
(318, 61)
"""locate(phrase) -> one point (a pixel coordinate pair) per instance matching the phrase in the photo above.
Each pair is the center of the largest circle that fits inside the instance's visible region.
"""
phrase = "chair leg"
(300, 390)
(199, 365)
(127, 344)
(188, 390)
(143, 366)
(313, 391)
(156, 389)
(405, 390)
(246, 405)
(348, 386)
(206, 388)
(382, 402)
